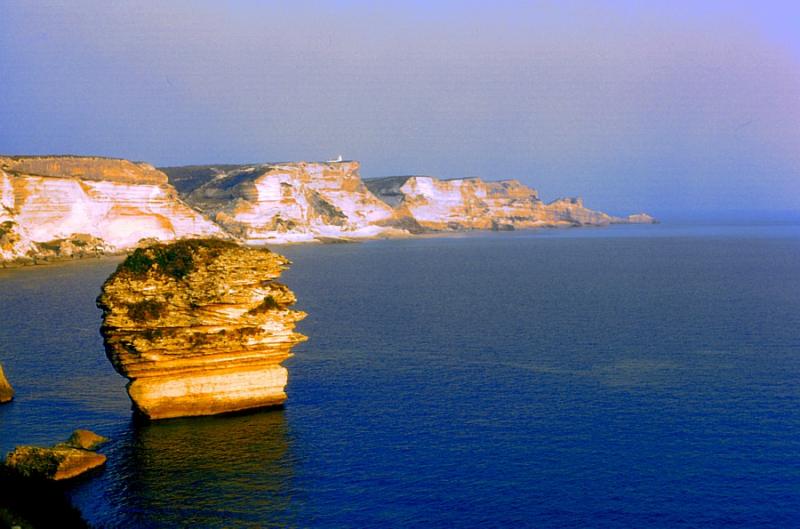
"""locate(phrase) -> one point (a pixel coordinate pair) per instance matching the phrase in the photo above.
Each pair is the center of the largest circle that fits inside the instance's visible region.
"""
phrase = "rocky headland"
(55, 207)
(200, 327)
(474, 204)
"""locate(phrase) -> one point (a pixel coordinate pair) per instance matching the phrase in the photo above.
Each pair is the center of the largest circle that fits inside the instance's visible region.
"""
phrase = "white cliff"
(474, 204)
(65, 205)
(290, 202)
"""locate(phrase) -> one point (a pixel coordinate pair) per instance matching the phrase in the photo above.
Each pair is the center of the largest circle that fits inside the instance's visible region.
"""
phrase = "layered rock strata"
(471, 203)
(200, 327)
(287, 202)
(6, 391)
(65, 206)
(63, 461)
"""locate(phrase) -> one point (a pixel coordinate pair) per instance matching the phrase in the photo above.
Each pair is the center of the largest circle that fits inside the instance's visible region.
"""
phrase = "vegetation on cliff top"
(175, 260)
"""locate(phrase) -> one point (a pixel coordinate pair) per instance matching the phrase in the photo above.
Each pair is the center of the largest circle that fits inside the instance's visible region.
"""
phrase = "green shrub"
(176, 260)
(31, 461)
(269, 303)
(137, 263)
(6, 227)
(145, 310)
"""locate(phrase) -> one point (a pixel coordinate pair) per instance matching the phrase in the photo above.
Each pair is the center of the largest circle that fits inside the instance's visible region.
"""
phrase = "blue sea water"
(635, 376)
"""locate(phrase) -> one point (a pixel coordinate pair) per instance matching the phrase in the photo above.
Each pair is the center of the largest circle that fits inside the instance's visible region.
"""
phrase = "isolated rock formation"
(473, 204)
(65, 206)
(53, 463)
(63, 461)
(200, 327)
(641, 218)
(6, 391)
(85, 440)
(286, 202)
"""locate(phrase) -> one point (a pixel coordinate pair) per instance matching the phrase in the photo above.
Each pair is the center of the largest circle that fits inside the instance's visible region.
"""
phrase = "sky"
(675, 108)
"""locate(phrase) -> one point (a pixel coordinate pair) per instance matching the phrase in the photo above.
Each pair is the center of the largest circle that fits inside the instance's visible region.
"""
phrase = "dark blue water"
(642, 376)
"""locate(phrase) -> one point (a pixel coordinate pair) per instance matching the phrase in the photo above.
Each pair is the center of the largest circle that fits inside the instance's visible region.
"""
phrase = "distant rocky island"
(56, 207)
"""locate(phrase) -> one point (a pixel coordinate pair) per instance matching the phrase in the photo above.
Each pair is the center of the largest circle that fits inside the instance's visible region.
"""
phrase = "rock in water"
(55, 463)
(6, 391)
(85, 440)
(200, 327)
(63, 461)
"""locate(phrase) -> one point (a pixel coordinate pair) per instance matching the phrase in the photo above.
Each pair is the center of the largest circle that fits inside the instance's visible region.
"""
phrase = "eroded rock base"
(209, 393)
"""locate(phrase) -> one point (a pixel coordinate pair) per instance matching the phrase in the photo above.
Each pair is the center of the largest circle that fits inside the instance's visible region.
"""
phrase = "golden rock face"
(6, 391)
(200, 327)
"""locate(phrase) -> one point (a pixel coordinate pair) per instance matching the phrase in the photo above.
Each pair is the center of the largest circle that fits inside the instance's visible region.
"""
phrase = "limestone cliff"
(200, 327)
(287, 202)
(471, 203)
(66, 205)
(70, 206)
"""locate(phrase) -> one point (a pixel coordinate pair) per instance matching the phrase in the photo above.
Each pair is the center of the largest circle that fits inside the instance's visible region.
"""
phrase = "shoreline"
(39, 262)
(59, 261)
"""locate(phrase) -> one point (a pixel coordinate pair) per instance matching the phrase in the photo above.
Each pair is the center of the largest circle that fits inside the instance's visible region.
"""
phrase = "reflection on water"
(233, 470)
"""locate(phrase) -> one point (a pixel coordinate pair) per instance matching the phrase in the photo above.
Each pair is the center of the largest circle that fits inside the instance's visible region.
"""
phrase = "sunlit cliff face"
(474, 204)
(71, 203)
(293, 202)
(200, 327)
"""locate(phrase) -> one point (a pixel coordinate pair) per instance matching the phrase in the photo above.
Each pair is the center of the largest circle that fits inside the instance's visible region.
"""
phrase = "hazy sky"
(635, 105)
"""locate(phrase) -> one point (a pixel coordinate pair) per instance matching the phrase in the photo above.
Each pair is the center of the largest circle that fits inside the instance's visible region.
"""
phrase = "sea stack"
(200, 327)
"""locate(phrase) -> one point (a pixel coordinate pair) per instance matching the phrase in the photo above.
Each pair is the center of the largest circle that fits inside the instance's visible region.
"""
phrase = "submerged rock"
(6, 391)
(200, 327)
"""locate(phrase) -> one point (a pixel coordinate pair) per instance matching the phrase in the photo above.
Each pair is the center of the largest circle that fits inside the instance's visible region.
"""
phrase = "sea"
(629, 376)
